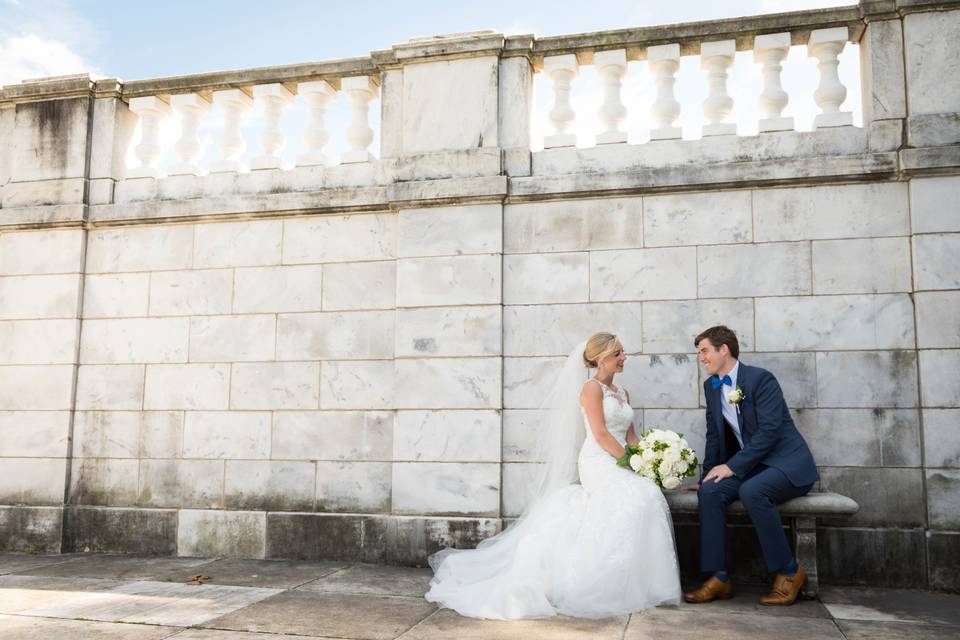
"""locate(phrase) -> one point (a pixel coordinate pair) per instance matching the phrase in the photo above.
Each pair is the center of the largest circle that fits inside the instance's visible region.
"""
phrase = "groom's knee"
(710, 490)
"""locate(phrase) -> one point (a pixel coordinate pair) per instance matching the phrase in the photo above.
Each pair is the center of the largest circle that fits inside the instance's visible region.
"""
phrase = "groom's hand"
(718, 473)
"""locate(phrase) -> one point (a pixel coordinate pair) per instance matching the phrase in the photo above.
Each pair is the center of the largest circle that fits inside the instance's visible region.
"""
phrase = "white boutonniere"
(735, 397)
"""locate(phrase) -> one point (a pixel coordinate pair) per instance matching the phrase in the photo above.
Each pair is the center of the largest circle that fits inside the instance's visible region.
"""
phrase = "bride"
(600, 548)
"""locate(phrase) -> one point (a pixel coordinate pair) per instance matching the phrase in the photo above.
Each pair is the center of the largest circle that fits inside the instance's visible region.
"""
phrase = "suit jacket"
(769, 435)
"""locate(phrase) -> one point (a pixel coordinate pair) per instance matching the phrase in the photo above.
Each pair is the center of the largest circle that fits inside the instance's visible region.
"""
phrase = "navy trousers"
(760, 492)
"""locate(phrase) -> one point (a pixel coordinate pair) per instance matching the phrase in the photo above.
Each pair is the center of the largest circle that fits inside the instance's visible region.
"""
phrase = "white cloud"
(32, 56)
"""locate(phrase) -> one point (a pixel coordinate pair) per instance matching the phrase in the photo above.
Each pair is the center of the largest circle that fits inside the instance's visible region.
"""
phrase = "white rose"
(671, 455)
(648, 455)
(636, 462)
(671, 482)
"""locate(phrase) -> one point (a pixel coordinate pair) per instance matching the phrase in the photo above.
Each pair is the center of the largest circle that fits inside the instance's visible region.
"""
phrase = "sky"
(137, 39)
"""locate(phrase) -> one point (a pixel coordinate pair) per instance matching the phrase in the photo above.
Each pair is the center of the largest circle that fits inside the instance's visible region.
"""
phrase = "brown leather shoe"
(785, 590)
(712, 589)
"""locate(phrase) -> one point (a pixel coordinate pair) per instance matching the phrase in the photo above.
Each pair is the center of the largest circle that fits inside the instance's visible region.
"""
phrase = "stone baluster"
(315, 136)
(151, 110)
(233, 102)
(561, 70)
(190, 107)
(825, 45)
(716, 58)
(664, 61)
(275, 98)
(611, 67)
(361, 90)
(770, 51)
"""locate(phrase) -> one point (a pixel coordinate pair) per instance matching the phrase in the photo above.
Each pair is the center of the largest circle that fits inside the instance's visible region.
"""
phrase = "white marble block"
(187, 484)
(279, 486)
(423, 282)
(552, 330)
(358, 487)
(360, 285)
(883, 321)
(333, 435)
(936, 260)
(273, 289)
(661, 381)
(34, 433)
(448, 383)
(34, 297)
(543, 278)
(232, 338)
(227, 434)
(796, 373)
(106, 434)
(275, 385)
(518, 478)
(671, 326)
(181, 293)
(870, 265)
(526, 381)
(692, 423)
(240, 534)
(38, 341)
(41, 252)
(937, 313)
(335, 336)
(104, 481)
(448, 331)
(117, 295)
(149, 248)
(134, 340)
(357, 384)
(723, 217)
(447, 436)
(187, 386)
(931, 42)
(938, 371)
(339, 238)
(933, 204)
(744, 270)
(237, 244)
(941, 437)
(521, 430)
(34, 481)
(436, 487)
(867, 379)
(161, 434)
(115, 387)
(574, 225)
(446, 231)
(644, 274)
(824, 212)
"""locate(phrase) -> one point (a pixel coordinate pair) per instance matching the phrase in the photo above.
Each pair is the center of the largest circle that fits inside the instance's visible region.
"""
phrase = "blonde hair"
(599, 346)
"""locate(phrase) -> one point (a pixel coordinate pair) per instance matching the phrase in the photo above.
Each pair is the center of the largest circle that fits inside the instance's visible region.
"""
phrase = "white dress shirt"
(730, 409)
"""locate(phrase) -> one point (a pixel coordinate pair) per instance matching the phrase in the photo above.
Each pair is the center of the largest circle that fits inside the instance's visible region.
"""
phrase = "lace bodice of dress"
(617, 412)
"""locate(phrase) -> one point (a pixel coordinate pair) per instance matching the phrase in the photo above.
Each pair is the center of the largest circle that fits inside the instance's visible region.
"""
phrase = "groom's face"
(713, 360)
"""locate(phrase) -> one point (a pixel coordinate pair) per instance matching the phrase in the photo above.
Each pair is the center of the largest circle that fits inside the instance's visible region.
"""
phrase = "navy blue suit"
(773, 466)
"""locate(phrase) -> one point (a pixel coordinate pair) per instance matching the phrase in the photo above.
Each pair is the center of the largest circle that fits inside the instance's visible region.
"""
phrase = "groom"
(754, 453)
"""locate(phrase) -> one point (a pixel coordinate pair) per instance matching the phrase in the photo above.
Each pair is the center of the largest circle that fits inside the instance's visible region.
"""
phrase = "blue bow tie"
(717, 382)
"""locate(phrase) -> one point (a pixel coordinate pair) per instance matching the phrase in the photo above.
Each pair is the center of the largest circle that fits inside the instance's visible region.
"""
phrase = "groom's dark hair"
(720, 335)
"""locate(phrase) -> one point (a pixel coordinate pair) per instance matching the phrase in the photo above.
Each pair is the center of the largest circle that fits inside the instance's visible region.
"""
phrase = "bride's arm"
(632, 431)
(591, 399)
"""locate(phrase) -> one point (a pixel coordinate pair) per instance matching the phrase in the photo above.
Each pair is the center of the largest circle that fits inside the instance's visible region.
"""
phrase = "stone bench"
(801, 513)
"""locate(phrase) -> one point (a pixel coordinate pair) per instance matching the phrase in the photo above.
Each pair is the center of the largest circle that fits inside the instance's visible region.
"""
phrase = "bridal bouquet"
(662, 456)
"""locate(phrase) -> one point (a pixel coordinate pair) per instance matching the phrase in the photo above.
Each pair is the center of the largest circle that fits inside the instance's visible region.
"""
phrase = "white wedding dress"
(600, 548)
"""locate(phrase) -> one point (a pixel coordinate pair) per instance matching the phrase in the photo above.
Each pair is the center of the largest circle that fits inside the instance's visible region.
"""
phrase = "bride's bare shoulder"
(590, 392)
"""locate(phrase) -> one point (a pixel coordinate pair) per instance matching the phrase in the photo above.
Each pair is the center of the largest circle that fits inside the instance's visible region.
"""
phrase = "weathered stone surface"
(447, 281)
(268, 485)
(823, 212)
(134, 340)
(885, 557)
(357, 487)
(34, 433)
(942, 550)
(184, 386)
(40, 252)
(447, 231)
(447, 624)
(318, 239)
(53, 629)
(698, 219)
(447, 436)
(104, 482)
(936, 260)
(333, 435)
(869, 265)
(518, 479)
(149, 531)
(929, 40)
(691, 423)
(230, 534)
(936, 314)
(882, 68)
(943, 499)
(796, 373)
(177, 293)
(526, 381)
(237, 244)
(30, 529)
(546, 278)
(667, 381)
(941, 386)
(442, 488)
(867, 379)
(931, 207)
(670, 327)
(275, 385)
(941, 437)
(226, 434)
(148, 248)
(552, 330)
(411, 540)
(360, 285)
(871, 630)
(357, 385)
(116, 295)
(769, 269)
(335, 336)
(161, 434)
(644, 274)
(578, 225)
(520, 432)
(861, 437)
(106, 434)
(277, 574)
(33, 297)
(448, 331)
(373, 579)
(232, 338)
(32, 481)
(188, 484)
(38, 341)
(686, 624)
(273, 289)
(114, 387)
(318, 536)
(887, 497)
(448, 383)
